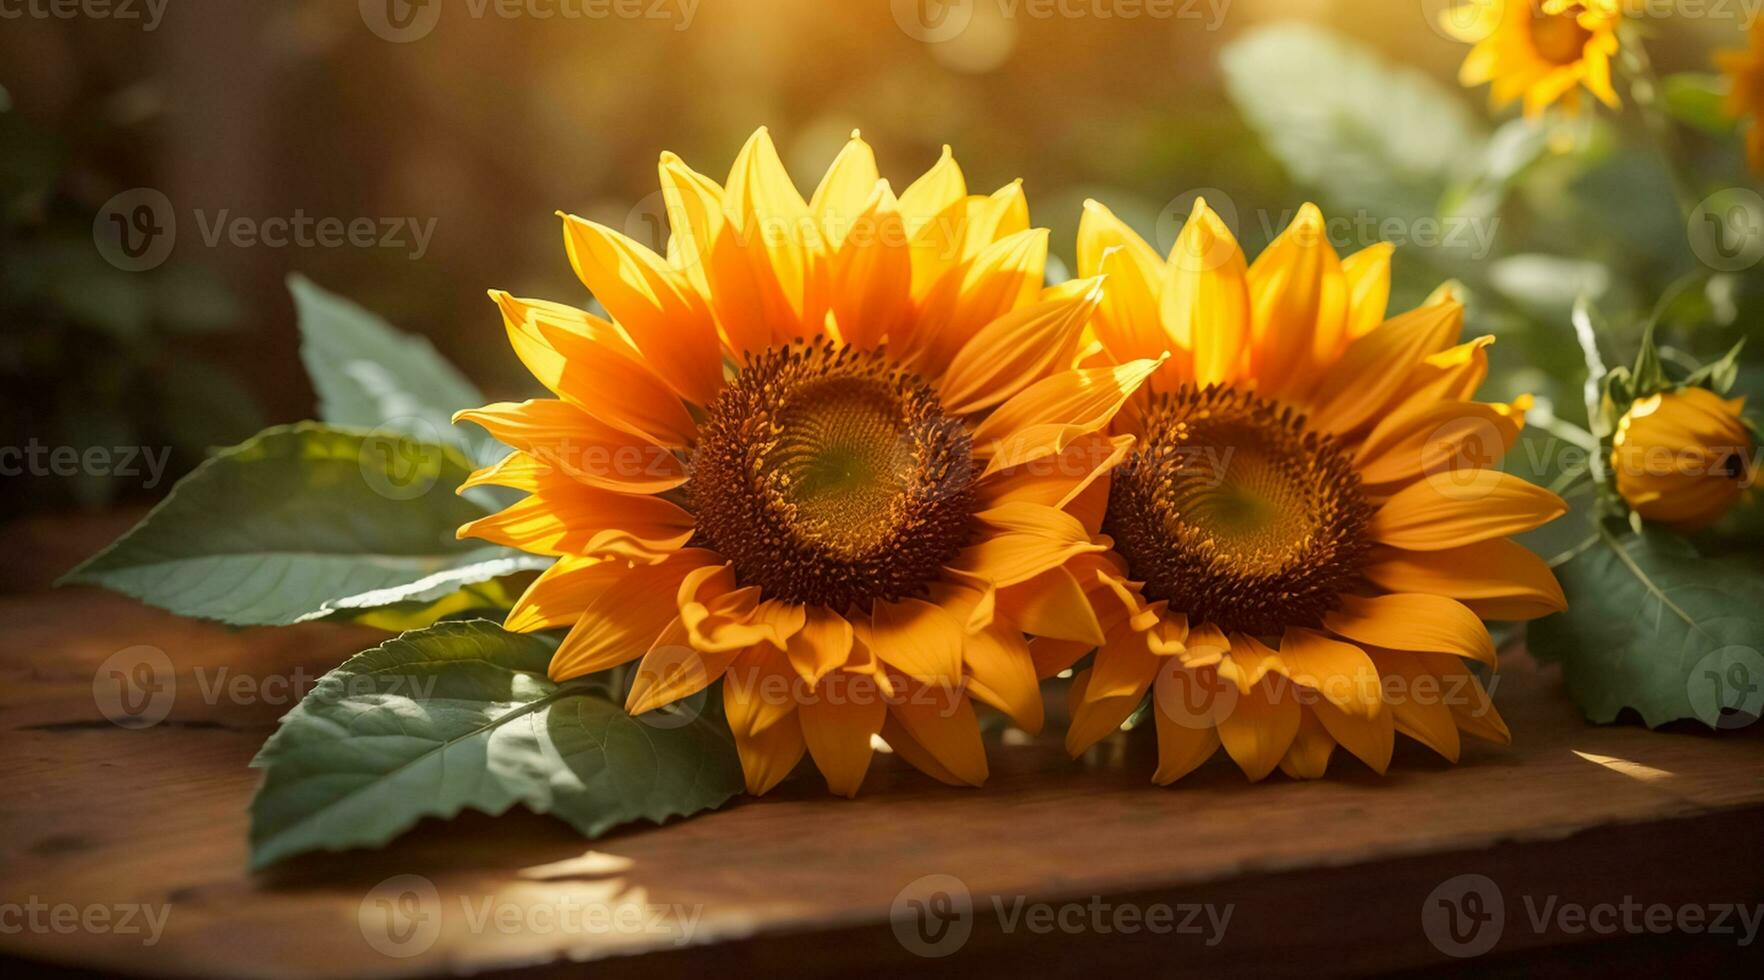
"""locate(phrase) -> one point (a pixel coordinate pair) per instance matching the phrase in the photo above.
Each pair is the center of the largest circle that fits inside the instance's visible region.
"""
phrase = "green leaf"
(1366, 133)
(302, 521)
(461, 716)
(369, 374)
(1649, 622)
(1695, 99)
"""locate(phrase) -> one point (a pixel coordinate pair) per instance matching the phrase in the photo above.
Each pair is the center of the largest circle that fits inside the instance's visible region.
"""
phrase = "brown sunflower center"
(830, 476)
(1237, 515)
(1559, 38)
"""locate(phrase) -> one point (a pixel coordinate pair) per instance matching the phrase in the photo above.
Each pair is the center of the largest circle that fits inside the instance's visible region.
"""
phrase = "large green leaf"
(1366, 133)
(369, 374)
(300, 522)
(1653, 626)
(461, 716)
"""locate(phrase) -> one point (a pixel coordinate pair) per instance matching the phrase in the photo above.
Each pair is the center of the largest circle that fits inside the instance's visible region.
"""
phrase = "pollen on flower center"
(1559, 38)
(831, 476)
(1237, 515)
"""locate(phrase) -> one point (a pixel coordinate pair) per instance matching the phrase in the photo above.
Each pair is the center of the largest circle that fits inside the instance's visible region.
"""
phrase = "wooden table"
(1328, 877)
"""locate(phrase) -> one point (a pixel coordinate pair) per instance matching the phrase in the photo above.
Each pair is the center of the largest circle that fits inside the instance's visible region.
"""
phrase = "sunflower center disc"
(1559, 38)
(830, 476)
(1236, 515)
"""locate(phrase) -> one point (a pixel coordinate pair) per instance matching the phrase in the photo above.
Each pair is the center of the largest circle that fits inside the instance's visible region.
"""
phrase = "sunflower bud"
(1683, 458)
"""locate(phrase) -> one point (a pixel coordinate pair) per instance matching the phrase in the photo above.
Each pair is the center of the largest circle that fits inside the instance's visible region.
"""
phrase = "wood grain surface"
(1328, 877)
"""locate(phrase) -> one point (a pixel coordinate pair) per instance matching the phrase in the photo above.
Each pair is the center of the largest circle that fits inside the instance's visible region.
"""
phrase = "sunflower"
(1683, 458)
(809, 453)
(1307, 532)
(1543, 50)
(1744, 70)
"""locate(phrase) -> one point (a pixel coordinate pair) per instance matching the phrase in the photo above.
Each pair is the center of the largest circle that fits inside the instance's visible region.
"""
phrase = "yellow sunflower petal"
(1308, 758)
(666, 318)
(694, 205)
(585, 361)
(1021, 541)
(934, 211)
(1448, 440)
(838, 734)
(1185, 738)
(1371, 740)
(673, 670)
(844, 191)
(941, 721)
(1094, 719)
(760, 691)
(621, 614)
(1368, 281)
(1432, 514)
(870, 284)
(1002, 673)
(1124, 666)
(822, 645)
(1016, 350)
(1205, 297)
(780, 236)
(1341, 672)
(1497, 579)
(1298, 303)
(1416, 698)
(580, 445)
(1371, 373)
(1413, 621)
(1055, 412)
(1052, 604)
(1257, 728)
(919, 639)
(769, 754)
(578, 520)
(1005, 275)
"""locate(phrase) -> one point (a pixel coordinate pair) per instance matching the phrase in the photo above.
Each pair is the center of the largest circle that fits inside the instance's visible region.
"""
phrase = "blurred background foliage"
(488, 125)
